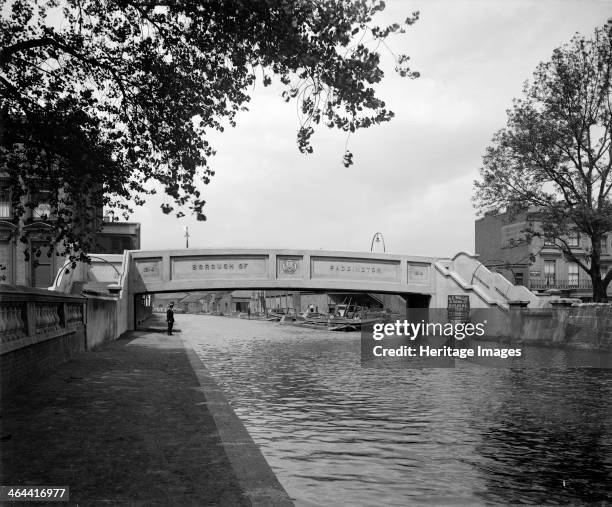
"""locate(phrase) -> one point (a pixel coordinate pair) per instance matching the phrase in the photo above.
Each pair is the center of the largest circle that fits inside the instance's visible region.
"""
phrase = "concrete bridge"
(186, 270)
(424, 281)
(98, 302)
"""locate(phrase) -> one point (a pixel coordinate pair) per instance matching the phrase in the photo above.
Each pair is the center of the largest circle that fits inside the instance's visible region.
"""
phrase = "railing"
(562, 284)
(31, 316)
(13, 321)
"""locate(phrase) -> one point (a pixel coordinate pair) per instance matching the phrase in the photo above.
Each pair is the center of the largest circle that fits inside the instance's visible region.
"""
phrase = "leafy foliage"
(556, 151)
(102, 99)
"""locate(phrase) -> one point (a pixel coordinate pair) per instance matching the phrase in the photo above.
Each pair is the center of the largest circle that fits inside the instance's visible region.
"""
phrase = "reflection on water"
(337, 433)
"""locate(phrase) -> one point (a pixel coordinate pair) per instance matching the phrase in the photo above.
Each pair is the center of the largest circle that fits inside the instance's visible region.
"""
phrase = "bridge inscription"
(355, 269)
(207, 267)
(149, 269)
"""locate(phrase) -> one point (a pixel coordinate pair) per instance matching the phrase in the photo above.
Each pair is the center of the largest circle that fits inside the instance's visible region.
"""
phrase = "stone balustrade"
(74, 313)
(13, 321)
(29, 316)
(41, 329)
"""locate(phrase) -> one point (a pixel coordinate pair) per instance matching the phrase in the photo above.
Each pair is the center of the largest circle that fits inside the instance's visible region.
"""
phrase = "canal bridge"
(426, 281)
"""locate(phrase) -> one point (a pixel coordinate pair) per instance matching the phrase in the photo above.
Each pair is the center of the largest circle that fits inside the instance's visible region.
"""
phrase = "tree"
(101, 100)
(555, 153)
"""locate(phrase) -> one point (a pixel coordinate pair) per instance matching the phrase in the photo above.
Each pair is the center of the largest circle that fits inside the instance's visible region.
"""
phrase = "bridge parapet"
(181, 270)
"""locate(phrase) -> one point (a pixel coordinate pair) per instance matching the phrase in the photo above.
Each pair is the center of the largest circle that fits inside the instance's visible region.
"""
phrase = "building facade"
(116, 237)
(40, 269)
(503, 245)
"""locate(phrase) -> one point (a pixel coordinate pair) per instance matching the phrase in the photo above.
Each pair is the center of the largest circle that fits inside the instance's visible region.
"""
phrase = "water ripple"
(337, 433)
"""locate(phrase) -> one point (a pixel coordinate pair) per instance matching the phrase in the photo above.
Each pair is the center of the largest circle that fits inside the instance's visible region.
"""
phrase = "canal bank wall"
(585, 326)
(42, 329)
(253, 473)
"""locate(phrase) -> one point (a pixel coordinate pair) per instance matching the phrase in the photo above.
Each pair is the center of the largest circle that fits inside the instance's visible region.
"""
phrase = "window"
(5, 204)
(42, 211)
(604, 244)
(518, 279)
(549, 273)
(573, 240)
(572, 275)
(120, 243)
(549, 242)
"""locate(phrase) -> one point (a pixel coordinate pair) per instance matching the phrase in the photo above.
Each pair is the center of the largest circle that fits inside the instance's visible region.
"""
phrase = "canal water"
(339, 434)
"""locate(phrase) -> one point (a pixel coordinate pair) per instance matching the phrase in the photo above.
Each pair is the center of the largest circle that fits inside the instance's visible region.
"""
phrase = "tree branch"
(9, 51)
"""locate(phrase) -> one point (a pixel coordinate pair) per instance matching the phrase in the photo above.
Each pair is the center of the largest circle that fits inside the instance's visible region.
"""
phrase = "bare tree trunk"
(599, 289)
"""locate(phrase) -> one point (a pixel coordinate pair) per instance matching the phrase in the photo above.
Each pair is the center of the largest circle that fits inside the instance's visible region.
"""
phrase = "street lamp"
(378, 237)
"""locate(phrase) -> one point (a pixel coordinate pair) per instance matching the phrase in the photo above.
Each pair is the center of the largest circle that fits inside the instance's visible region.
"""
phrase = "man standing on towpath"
(170, 317)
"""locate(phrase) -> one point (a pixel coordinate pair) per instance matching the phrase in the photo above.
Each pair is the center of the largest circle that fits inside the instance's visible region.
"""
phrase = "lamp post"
(186, 228)
(378, 238)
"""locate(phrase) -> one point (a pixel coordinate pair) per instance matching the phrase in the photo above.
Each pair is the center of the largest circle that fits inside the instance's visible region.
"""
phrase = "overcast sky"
(412, 178)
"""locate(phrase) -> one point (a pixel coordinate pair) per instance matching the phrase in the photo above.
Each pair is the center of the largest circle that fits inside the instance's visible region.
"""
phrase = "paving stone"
(126, 424)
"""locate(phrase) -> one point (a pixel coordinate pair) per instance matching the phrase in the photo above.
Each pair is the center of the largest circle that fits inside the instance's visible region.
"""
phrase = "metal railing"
(559, 283)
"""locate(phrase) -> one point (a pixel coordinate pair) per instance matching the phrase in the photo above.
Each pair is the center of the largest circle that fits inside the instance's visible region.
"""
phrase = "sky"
(412, 178)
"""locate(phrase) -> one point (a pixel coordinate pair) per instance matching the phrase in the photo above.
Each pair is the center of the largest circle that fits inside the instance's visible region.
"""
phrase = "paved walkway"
(128, 424)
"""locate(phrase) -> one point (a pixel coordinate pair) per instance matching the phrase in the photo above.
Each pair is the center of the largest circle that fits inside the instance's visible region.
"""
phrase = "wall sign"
(458, 308)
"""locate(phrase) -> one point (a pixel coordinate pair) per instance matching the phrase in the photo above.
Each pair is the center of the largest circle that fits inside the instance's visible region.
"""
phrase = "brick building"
(503, 246)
